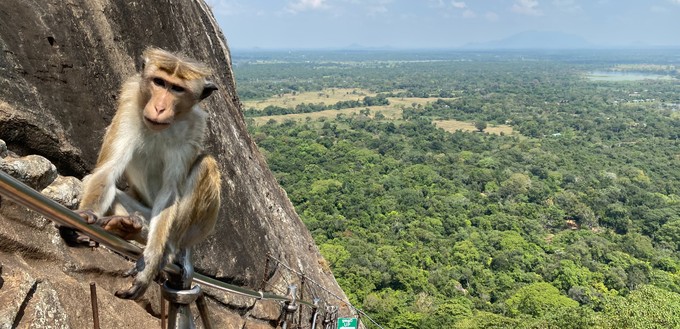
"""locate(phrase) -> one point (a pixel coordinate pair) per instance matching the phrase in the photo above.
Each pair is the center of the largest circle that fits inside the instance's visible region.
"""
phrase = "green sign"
(347, 323)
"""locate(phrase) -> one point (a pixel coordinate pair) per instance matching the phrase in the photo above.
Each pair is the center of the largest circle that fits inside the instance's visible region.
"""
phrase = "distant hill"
(535, 40)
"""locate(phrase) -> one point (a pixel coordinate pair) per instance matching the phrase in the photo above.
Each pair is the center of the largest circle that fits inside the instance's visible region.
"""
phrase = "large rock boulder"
(61, 65)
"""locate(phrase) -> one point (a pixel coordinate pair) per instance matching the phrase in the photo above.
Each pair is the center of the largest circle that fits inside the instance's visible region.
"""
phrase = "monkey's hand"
(126, 227)
(87, 215)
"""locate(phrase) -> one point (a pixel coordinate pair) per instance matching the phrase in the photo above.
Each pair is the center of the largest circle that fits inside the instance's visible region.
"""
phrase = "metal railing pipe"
(22, 194)
(32, 199)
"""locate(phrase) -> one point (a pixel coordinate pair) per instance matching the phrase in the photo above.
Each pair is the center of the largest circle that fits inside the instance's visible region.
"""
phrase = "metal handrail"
(50, 209)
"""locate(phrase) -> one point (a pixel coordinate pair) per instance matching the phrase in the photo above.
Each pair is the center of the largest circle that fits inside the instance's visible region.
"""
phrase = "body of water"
(625, 76)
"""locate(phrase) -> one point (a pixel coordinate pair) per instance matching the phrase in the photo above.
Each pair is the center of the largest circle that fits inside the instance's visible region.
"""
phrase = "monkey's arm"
(100, 187)
(114, 156)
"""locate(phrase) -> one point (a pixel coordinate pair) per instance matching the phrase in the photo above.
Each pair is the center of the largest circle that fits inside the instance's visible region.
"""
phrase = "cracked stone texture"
(61, 65)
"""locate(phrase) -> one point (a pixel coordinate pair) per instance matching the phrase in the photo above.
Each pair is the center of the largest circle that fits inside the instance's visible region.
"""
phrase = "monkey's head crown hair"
(175, 64)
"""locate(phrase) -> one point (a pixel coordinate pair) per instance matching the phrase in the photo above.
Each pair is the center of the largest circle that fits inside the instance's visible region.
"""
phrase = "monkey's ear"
(208, 89)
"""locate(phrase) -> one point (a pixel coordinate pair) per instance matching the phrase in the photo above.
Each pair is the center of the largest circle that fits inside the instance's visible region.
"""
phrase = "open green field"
(389, 111)
(334, 95)
(328, 96)
(455, 125)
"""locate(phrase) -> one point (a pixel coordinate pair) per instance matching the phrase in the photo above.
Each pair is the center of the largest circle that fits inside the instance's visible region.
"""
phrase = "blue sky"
(441, 23)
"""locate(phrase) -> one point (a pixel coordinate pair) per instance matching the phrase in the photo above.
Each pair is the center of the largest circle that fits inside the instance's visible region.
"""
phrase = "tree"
(647, 307)
(480, 125)
(538, 299)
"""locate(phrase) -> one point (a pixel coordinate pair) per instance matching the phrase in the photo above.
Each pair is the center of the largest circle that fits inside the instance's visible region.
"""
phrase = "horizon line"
(450, 48)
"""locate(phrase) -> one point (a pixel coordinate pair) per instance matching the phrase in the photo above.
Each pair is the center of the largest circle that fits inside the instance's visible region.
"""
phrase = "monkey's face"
(170, 98)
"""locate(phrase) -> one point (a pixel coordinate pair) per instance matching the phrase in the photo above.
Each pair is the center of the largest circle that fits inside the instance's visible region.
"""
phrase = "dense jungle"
(482, 189)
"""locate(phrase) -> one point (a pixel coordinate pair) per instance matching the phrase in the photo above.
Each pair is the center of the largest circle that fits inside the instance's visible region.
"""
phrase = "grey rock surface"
(61, 65)
(34, 170)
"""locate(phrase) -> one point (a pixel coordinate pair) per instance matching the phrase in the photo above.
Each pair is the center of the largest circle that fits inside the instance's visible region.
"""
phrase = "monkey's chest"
(160, 165)
(145, 175)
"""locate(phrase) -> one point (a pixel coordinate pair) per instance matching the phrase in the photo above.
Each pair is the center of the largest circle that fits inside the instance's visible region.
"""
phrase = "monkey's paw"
(87, 215)
(138, 287)
(138, 267)
(126, 227)
(135, 292)
(75, 238)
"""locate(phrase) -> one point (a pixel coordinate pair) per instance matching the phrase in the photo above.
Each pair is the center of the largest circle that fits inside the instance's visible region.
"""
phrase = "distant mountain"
(535, 40)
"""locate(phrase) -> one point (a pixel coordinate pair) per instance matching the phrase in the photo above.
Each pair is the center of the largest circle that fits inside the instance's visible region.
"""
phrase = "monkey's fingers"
(84, 239)
(138, 267)
(123, 223)
(87, 215)
(131, 272)
(132, 224)
(75, 238)
(126, 227)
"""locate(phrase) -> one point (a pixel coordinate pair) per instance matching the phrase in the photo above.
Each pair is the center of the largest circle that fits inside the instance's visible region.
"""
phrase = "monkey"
(155, 142)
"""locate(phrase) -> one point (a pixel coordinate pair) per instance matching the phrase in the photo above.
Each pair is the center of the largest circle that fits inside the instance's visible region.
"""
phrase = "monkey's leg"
(178, 221)
(126, 204)
(201, 205)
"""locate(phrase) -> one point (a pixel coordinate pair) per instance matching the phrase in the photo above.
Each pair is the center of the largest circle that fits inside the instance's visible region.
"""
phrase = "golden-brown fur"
(155, 140)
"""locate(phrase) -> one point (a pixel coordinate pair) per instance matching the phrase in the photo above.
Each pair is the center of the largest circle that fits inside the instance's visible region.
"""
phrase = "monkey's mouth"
(156, 125)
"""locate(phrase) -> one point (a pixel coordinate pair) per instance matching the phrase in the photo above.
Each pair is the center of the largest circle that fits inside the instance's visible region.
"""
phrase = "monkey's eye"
(159, 82)
(177, 89)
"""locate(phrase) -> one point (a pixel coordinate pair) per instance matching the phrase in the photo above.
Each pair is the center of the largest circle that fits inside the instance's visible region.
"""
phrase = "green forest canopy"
(573, 222)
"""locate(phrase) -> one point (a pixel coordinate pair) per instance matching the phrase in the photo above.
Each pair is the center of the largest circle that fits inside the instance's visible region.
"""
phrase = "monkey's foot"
(75, 238)
(138, 267)
(135, 292)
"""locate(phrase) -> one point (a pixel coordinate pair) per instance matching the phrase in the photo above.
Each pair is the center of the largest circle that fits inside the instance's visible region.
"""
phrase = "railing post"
(315, 312)
(290, 306)
(330, 316)
(177, 290)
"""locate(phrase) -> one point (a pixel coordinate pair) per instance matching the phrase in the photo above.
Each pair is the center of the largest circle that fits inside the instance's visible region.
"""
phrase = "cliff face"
(61, 65)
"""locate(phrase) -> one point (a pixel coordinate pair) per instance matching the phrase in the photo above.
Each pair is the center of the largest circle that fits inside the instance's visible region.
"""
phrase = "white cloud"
(376, 7)
(367, 7)
(469, 14)
(677, 2)
(374, 10)
(527, 7)
(458, 4)
(437, 3)
(226, 7)
(568, 5)
(304, 5)
(491, 16)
